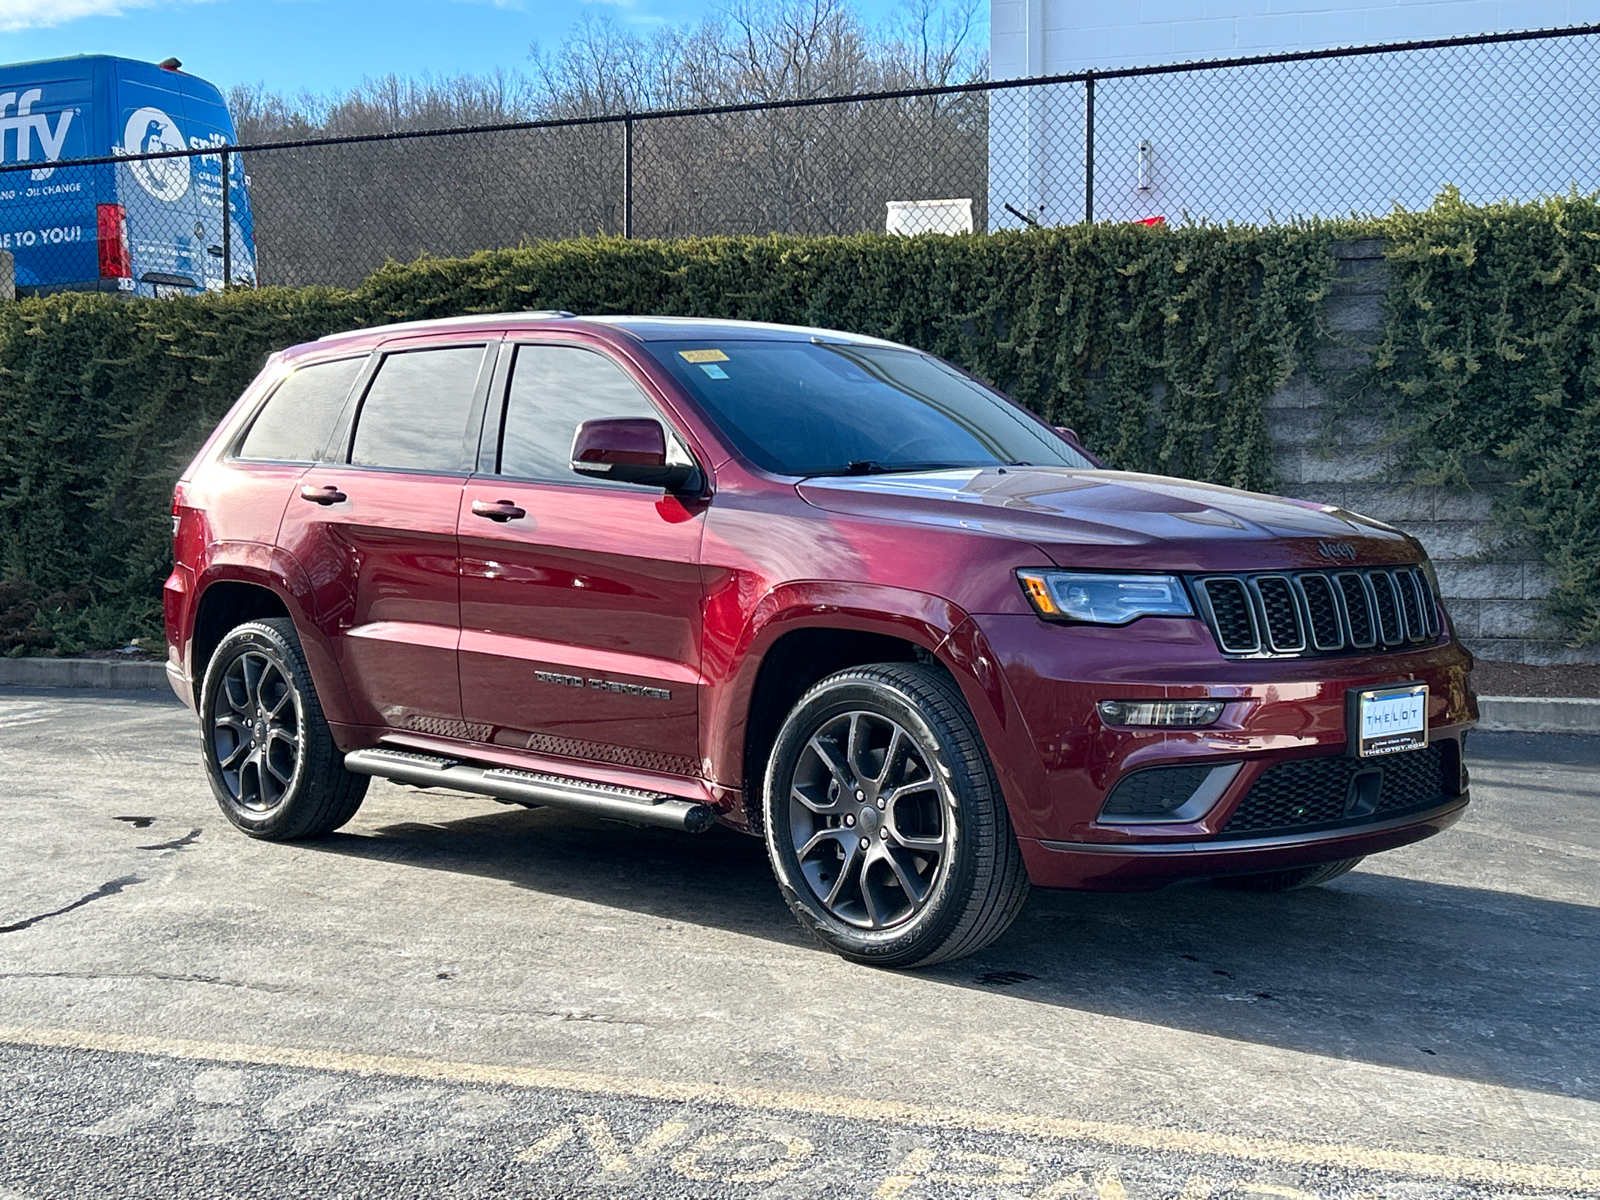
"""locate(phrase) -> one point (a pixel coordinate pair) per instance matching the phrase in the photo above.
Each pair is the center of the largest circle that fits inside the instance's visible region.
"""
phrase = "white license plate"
(1389, 720)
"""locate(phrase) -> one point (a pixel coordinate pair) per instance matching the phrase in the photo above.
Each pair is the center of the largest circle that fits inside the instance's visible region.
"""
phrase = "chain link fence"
(1262, 139)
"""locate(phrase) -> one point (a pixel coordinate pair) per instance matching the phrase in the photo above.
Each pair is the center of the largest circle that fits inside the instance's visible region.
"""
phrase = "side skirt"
(534, 789)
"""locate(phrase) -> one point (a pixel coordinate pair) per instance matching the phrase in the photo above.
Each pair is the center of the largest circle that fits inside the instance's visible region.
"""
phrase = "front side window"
(417, 411)
(299, 417)
(554, 389)
(835, 408)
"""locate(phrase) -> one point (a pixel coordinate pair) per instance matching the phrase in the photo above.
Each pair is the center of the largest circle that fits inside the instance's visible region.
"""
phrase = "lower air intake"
(1316, 793)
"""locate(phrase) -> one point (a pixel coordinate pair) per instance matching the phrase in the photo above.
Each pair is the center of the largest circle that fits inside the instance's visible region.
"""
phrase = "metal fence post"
(1088, 149)
(627, 176)
(227, 225)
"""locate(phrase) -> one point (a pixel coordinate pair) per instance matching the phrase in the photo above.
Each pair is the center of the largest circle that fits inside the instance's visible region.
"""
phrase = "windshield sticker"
(713, 370)
(702, 356)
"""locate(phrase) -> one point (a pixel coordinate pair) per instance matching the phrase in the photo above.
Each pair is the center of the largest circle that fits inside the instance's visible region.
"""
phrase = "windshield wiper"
(868, 466)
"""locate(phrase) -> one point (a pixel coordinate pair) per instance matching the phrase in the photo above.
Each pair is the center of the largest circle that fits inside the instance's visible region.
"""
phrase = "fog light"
(1190, 713)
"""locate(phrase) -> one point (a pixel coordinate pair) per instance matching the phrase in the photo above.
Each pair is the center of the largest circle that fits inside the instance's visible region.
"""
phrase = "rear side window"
(299, 418)
(417, 410)
(554, 389)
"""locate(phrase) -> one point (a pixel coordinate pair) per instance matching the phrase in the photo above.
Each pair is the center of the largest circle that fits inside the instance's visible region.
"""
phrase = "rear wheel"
(885, 826)
(1291, 880)
(269, 755)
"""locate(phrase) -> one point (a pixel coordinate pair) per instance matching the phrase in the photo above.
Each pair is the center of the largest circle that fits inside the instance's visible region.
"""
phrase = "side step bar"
(529, 787)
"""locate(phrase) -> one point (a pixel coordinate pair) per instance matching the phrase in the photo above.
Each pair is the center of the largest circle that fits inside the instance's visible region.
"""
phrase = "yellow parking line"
(1535, 1176)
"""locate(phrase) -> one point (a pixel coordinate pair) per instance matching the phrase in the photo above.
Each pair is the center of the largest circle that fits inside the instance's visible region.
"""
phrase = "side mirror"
(631, 450)
(1070, 437)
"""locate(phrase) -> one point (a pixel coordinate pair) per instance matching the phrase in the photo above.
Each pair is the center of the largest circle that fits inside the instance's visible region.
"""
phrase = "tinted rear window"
(417, 410)
(298, 420)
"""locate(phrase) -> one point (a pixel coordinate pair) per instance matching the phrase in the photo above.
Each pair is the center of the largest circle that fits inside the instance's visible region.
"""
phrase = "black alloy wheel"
(885, 825)
(255, 732)
(867, 820)
(269, 754)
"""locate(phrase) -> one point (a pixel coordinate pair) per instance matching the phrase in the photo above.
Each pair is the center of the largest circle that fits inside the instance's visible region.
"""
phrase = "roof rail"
(541, 314)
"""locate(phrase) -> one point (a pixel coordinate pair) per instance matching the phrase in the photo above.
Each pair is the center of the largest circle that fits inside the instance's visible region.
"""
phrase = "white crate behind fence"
(929, 216)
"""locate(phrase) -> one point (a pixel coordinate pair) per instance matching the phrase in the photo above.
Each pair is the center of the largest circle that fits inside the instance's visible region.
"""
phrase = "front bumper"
(1058, 760)
(1102, 867)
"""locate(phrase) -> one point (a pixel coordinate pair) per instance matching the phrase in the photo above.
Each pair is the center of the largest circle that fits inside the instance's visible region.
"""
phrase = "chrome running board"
(532, 788)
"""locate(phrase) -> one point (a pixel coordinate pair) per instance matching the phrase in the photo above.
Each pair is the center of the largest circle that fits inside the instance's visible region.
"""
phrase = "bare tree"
(332, 214)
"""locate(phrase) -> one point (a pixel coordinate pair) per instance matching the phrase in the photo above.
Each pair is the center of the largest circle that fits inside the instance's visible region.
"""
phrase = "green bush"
(102, 403)
(1158, 345)
(1487, 371)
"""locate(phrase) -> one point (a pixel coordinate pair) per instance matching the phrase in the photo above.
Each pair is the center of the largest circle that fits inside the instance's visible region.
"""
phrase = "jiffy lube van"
(147, 226)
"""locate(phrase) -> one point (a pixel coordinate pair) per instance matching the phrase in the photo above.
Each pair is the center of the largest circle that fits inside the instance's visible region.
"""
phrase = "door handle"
(322, 495)
(498, 510)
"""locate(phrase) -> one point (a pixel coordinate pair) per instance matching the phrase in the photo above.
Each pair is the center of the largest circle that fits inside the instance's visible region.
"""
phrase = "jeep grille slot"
(1357, 597)
(1429, 606)
(1300, 613)
(1409, 607)
(1323, 608)
(1390, 629)
(1232, 616)
(1282, 611)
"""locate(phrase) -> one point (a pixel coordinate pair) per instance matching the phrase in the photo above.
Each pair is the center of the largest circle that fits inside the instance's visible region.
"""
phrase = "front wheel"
(884, 823)
(268, 752)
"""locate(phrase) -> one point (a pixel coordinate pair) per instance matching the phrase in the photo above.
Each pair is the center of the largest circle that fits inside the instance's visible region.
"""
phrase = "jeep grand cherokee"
(822, 588)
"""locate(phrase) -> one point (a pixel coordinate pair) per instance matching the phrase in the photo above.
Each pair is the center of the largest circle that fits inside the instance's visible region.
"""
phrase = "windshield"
(833, 408)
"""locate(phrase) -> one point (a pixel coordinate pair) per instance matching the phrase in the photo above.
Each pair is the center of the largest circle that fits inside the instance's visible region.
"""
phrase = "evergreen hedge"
(1489, 371)
(1158, 345)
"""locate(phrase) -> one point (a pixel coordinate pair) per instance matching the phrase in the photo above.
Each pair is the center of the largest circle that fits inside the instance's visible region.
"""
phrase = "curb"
(1537, 714)
(96, 673)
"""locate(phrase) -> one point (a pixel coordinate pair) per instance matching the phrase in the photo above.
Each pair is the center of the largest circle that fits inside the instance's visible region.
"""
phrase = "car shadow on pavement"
(1488, 986)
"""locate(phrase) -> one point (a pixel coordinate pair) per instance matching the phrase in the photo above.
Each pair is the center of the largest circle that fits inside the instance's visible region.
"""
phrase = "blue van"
(151, 227)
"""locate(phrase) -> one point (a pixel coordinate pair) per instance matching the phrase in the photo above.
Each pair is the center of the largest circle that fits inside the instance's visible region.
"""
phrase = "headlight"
(1104, 599)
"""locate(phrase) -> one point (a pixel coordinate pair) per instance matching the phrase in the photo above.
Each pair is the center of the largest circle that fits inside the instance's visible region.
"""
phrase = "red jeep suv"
(822, 588)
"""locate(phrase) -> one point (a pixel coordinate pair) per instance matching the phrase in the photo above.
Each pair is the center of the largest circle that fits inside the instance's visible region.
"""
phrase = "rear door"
(375, 530)
(581, 615)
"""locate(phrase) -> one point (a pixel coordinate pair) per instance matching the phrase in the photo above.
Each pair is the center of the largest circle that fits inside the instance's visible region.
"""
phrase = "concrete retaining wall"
(97, 673)
(1495, 603)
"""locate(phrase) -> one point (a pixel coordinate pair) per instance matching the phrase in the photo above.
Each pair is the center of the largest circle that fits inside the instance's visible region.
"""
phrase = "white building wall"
(1320, 138)
(1066, 36)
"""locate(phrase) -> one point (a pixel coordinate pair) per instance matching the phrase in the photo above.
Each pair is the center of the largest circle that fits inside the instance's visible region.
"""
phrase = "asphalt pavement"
(455, 998)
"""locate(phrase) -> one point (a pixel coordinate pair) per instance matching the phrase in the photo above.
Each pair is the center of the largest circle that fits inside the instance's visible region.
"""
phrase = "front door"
(580, 599)
(376, 533)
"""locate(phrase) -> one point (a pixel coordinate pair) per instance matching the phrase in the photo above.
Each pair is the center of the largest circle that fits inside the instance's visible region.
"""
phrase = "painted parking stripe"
(1536, 1176)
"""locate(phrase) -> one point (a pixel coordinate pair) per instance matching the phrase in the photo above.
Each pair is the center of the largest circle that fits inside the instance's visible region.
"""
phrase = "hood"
(1115, 519)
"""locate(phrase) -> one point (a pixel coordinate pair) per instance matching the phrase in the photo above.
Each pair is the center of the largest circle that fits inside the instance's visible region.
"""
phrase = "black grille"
(1323, 611)
(1409, 607)
(1389, 628)
(1231, 618)
(1315, 612)
(1358, 609)
(1154, 792)
(1282, 613)
(1328, 792)
(1426, 601)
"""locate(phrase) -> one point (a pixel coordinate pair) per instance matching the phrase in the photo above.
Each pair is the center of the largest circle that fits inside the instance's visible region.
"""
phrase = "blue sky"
(320, 45)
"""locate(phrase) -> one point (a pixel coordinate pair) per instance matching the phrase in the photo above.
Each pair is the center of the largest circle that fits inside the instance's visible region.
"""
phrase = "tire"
(1291, 880)
(942, 876)
(270, 758)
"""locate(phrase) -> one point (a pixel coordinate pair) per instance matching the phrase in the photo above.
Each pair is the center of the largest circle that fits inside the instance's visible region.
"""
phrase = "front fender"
(733, 665)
